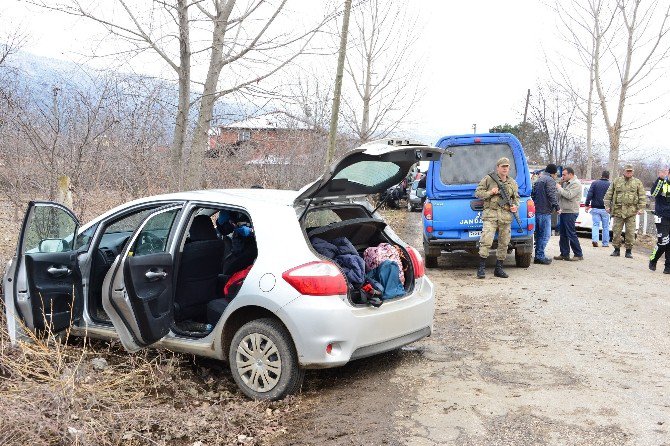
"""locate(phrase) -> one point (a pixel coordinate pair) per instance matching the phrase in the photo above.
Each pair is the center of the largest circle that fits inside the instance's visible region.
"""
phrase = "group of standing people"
(622, 200)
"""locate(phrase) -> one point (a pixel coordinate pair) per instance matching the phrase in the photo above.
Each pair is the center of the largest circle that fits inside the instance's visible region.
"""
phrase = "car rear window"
(469, 164)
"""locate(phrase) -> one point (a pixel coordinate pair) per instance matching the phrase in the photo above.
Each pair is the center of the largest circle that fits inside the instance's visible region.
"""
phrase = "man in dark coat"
(545, 197)
(595, 203)
(661, 192)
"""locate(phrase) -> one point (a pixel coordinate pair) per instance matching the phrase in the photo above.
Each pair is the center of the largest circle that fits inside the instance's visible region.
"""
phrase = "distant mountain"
(41, 74)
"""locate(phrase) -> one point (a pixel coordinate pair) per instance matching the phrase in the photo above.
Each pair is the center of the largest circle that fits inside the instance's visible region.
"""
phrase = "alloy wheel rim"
(258, 362)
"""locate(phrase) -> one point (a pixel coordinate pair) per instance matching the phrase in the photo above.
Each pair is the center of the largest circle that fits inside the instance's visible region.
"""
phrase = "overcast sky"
(480, 57)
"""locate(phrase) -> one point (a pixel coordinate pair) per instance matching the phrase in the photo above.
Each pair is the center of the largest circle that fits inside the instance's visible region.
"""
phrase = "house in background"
(275, 138)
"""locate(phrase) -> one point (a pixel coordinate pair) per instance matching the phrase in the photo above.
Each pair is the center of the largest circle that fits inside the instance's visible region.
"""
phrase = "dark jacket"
(545, 194)
(661, 191)
(596, 195)
(345, 255)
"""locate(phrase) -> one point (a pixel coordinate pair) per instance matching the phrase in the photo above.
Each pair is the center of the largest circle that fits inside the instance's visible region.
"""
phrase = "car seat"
(199, 269)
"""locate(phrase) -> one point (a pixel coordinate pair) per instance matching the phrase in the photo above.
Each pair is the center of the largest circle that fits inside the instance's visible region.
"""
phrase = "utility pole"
(523, 124)
(332, 135)
(474, 128)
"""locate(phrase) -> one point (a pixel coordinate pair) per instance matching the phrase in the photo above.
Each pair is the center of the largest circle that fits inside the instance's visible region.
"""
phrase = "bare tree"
(553, 116)
(240, 51)
(337, 93)
(633, 47)
(578, 28)
(383, 75)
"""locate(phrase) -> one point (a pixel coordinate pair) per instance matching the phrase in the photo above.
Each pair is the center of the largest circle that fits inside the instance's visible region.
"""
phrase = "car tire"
(431, 262)
(262, 378)
(522, 260)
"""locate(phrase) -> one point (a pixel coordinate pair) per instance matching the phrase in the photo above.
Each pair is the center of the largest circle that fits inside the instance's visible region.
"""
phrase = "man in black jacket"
(545, 197)
(661, 191)
(595, 202)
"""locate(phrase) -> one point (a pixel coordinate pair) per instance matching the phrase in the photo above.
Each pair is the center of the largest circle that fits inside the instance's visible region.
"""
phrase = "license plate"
(475, 233)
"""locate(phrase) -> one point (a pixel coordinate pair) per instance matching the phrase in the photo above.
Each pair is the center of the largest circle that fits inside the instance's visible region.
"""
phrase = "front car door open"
(43, 282)
(138, 292)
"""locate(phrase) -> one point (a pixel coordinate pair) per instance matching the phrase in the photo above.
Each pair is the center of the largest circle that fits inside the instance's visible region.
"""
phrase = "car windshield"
(470, 163)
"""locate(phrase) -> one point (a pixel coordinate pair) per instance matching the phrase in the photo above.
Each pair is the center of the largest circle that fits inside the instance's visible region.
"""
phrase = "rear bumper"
(434, 247)
(356, 331)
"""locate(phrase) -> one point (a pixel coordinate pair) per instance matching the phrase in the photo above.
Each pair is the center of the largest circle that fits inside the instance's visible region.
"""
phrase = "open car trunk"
(363, 233)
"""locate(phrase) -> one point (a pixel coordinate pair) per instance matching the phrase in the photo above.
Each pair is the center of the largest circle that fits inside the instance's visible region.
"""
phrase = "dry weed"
(85, 392)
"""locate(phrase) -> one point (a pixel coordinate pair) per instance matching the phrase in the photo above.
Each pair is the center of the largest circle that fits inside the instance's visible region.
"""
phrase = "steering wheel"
(149, 243)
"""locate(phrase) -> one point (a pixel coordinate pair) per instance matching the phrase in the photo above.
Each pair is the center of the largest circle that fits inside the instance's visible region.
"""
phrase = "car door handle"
(58, 271)
(155, 275)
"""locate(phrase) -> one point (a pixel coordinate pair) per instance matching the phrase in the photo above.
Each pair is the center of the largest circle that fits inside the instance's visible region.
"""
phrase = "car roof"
(245, 198)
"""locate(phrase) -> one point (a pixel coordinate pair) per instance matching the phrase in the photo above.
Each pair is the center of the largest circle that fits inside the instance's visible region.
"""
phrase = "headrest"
(202, 229)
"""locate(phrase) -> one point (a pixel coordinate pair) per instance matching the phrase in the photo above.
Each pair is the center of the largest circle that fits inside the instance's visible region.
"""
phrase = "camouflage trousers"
(489, 232)
(617, 227)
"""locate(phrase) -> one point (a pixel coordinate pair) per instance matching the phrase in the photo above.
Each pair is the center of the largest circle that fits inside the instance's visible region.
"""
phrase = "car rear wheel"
(522, 259)
(263, 361)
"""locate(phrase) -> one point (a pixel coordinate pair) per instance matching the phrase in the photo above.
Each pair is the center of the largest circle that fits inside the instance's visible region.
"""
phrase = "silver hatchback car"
(228, 274)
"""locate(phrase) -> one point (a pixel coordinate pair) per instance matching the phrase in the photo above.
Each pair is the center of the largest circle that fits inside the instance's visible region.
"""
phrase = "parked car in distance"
(584, 221)
(154, 272)
(415, 196)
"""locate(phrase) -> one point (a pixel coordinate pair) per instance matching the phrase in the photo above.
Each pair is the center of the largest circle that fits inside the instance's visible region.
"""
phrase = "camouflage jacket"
(625, 197)
(495, 207)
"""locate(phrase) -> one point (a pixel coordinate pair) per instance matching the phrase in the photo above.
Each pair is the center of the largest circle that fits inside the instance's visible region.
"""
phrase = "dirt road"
(575, 353)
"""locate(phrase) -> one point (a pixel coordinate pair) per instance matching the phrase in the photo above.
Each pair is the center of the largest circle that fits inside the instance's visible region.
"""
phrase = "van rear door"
(452, 182)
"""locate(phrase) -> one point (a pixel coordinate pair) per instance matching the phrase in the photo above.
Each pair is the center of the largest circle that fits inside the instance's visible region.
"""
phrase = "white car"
(154, 272)
(584, 222)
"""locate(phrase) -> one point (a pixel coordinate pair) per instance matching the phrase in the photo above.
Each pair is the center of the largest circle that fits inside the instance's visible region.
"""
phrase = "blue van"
(452, 214)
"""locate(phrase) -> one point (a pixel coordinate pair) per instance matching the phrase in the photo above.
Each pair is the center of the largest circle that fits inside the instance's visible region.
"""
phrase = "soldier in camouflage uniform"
(497, 216)
(624, 199)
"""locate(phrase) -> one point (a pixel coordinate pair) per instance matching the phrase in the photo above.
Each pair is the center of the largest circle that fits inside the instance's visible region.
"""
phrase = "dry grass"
(56, 392)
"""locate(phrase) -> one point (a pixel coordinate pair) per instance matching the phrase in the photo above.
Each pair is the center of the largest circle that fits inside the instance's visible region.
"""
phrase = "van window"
(469, 164)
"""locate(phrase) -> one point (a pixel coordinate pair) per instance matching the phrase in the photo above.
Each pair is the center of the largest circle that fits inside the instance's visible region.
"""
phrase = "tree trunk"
(183, 107)
(332, 135)
(195, 179)
(589, 126)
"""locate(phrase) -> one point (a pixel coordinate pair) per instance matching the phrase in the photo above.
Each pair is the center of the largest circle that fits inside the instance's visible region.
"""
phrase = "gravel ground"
(572, 353)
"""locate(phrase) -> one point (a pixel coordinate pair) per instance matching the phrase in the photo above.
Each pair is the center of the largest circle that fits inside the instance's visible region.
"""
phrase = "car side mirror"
(53, 245)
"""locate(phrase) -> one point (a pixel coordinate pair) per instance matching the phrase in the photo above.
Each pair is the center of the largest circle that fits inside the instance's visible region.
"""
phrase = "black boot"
(629, 253)
(499, 272)
(616, 252)
(481, 271)
(652, 265)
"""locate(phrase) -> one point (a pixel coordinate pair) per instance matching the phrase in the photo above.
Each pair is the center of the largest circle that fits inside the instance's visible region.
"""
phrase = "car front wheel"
(263, 361)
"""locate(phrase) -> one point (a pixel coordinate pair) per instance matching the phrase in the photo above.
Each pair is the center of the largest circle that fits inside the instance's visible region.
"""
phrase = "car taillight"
(417, 262)
(428, 211)
(531, 208)
(318, 278)
(581, 205)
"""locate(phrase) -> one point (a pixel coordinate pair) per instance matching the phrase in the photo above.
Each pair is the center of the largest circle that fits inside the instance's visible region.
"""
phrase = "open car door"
(43, 282)
(137, 294)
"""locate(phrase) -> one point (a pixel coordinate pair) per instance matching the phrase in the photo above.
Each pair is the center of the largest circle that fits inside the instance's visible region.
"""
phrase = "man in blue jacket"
(661, 191)
(595, 203)
(545, 197)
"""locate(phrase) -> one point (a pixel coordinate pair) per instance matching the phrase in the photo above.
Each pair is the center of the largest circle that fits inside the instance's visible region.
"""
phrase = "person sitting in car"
(243, 252)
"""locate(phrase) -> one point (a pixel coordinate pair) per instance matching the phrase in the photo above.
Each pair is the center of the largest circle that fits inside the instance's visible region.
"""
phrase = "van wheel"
(263, 360)
(522, 259)
(431, 262)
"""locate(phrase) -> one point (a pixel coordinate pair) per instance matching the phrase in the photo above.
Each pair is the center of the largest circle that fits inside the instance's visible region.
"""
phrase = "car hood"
(368, 169)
